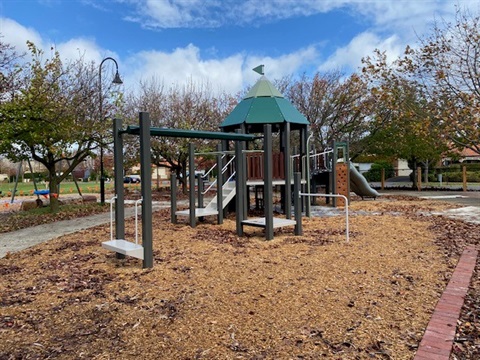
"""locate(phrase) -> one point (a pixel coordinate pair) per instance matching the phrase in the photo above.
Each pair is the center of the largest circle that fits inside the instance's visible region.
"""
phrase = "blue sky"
(219, 41)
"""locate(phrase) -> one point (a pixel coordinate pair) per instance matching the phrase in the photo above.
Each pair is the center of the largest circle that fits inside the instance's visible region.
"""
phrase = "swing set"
(38, 192)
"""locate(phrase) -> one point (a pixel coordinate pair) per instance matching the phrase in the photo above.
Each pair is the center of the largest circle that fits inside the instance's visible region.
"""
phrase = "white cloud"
(350, 56)
(230, 74)
(406, 14)
(80, 47)
(394, 25)
(183, 65)
(17, 35)
(214, 13)
(390, 26)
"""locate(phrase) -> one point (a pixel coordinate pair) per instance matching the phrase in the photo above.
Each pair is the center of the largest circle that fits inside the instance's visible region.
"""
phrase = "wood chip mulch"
(213, 295)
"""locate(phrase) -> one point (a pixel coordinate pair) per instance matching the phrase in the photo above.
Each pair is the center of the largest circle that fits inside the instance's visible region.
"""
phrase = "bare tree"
(9, 70)
(191, 107)
(336, 108)
(448, 64)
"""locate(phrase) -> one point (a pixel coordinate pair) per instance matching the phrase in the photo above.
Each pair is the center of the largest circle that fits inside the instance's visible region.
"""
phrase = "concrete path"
(25, 238)
(470, 200)
(22, 239)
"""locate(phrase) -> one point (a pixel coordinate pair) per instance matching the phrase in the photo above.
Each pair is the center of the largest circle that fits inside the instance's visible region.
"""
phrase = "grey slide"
(359, 185)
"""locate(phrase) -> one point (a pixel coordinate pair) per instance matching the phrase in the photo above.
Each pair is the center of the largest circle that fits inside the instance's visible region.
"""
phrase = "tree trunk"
(414, 184)
(53, 189)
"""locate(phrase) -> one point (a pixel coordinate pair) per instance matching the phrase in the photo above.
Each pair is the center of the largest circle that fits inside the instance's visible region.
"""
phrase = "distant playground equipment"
(242, 170)
(39, 192)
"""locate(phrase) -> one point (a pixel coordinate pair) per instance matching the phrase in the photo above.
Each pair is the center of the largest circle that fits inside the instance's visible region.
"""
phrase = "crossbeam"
(194, 134)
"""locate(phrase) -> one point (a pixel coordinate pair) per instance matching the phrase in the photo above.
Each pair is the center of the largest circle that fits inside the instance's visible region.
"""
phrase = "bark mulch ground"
(213, 295)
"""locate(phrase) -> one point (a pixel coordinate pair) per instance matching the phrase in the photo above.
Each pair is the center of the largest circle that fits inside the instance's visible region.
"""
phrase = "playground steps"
(211, 209)
(124, 247)
(261, 222)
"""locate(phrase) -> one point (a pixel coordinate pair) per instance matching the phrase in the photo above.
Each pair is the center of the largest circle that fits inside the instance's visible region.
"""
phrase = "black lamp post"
(116, 80)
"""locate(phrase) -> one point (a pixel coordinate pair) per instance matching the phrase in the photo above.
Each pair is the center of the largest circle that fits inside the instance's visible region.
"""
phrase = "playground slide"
(359, 184)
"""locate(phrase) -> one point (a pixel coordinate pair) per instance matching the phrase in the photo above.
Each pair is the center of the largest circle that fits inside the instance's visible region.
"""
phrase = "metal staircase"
(228, 190)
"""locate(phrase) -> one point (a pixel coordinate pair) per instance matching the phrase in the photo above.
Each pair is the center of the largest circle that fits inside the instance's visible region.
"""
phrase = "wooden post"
(419, 178)
(464, 176)
(383, 179)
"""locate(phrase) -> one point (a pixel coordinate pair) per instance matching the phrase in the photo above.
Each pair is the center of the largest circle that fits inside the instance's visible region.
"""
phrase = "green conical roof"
(264, 104)
(263, 87)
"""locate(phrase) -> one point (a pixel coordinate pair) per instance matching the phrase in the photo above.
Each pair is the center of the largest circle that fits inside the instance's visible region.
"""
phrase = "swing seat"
(124, 247)
(41, 192)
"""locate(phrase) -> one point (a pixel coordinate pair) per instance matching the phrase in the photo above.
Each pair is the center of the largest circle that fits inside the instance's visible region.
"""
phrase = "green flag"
(259, 69)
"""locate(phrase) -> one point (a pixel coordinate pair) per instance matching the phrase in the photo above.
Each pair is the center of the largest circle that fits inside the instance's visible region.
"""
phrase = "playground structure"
(263, 110)
(118, 243)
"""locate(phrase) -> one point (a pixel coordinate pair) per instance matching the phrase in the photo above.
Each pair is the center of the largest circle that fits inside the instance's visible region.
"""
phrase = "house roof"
(263, 104)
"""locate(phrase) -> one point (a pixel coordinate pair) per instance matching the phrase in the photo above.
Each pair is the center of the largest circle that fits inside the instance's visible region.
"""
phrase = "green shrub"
(457, 176)
(375, 172)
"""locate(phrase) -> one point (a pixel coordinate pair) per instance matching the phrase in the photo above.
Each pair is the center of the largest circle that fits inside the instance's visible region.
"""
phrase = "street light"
(116, 80)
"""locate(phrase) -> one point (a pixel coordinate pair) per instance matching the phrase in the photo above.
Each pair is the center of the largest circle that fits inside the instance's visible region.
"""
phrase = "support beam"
(219, 185)
(268, 180)
(333, 174)
(118, 177)
(243, 174)
(288, 171)
(191, 181)
(146, 184)
(200, 190)
(239, 188)
(297, 203)
(173, 198)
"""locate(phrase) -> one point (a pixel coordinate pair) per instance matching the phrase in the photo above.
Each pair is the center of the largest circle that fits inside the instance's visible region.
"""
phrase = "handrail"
(111, 217)
(231, 177)
(209, 171)
(215, 152)
(208, 189)
(224, 169)
(253, 151)
(214, 182)
(338, 196)
(322, 153)
(226, 165)
(136, 219)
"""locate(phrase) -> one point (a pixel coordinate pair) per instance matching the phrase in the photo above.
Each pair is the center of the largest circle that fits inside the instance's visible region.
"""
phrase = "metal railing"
(224, 169)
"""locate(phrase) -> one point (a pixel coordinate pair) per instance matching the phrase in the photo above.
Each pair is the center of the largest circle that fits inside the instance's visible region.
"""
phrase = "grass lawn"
(26, 189)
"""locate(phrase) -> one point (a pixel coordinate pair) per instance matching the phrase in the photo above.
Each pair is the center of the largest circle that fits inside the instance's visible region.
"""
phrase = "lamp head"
(117, 80)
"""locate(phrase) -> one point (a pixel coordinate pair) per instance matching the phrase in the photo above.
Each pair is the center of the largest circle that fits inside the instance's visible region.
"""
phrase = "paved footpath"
(22, 239)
